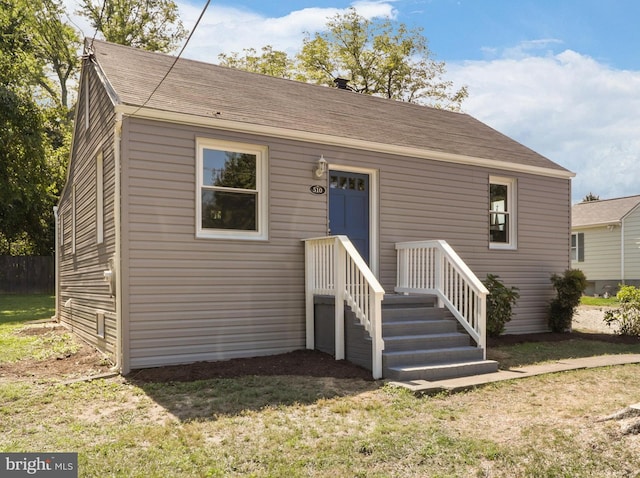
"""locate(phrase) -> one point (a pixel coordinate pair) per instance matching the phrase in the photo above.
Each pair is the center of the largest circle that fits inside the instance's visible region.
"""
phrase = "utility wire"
(98, 23)
(176, 59)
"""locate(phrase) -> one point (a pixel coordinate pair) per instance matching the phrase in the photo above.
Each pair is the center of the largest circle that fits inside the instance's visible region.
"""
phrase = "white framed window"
(99, 198)
(231, 192)
(502, 213)
(577, 247)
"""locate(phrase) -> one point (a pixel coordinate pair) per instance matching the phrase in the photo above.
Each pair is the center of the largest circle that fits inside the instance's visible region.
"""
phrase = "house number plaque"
(317, 189)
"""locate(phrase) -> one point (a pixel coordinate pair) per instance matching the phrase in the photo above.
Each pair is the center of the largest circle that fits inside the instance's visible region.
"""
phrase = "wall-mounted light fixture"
(321, 168)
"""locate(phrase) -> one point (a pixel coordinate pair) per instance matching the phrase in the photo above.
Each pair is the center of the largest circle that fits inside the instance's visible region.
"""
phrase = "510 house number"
(317, 189)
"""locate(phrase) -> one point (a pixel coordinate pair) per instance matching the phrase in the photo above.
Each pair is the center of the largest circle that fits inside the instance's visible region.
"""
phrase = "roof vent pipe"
(341, 83)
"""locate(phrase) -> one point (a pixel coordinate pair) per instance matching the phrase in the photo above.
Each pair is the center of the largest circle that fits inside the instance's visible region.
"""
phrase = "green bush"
(627, 316)
(500, 301)
(569, 288)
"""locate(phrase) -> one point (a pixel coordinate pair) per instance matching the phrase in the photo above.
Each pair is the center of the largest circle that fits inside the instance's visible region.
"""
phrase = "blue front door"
(349, 208)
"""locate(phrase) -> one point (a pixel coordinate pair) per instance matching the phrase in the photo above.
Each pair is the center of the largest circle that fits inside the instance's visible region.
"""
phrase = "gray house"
(221, 214)
(605, 243)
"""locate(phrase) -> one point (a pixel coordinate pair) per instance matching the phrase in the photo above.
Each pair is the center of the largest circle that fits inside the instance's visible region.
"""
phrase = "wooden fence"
(27, 275)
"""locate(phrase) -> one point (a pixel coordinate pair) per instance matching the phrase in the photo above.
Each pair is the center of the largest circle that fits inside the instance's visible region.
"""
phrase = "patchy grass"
(544, 426)
(16, 342)
(530, 353)
(298, 427)
(599, 301)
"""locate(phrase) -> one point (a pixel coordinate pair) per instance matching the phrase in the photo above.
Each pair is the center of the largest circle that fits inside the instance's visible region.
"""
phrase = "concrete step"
(424, 313)
(441, 371)
(408, 358)
(400, 301)
(425, 342)
(419, 327)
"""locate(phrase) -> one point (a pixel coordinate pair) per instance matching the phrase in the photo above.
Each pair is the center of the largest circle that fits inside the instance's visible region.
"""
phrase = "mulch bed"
(310, 363)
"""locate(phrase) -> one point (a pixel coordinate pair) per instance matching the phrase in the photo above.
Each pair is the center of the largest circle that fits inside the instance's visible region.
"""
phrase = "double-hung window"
(231, 188)
(502, 213)
(577, 247)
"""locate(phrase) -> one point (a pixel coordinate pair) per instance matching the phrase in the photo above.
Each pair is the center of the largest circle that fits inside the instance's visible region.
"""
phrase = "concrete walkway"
(465, 383)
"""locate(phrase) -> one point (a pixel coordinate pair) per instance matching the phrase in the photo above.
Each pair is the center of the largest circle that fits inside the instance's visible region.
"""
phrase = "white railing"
(433, 267)
(334, 267)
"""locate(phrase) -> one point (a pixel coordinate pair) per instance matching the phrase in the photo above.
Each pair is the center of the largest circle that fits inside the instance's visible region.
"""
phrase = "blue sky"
(560, 76)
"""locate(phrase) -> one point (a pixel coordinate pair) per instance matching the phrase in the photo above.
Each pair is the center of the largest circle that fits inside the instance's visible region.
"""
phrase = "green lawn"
(18, 310)
(599, 301)
(544, 426)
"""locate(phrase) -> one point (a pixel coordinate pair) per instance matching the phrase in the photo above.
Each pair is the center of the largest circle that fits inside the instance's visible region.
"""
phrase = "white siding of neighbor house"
(602, 252)
(191, 299)
(81, 273)
(632, 245)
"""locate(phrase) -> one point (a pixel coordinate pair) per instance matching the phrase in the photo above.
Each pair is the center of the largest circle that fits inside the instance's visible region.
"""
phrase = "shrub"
(627, 316)
(500, 301)
(569, 288)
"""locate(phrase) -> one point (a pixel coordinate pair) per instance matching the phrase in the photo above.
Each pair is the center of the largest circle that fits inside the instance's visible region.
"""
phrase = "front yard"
(278, 425)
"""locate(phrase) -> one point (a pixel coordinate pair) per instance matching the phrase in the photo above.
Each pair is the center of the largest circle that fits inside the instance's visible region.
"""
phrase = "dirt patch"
(85, 361)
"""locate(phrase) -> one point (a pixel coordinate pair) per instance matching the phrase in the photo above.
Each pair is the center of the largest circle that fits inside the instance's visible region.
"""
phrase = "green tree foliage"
(500, 302)
(380, 57)
(569, 288)
(23, 192)
(627, 316)
(270, 62)
(151, 25)
(591, 197)
(56, 45)
(34, 129)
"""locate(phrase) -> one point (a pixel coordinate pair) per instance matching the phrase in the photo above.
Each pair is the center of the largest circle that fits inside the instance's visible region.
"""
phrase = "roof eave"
(284, 133)
(596, 224)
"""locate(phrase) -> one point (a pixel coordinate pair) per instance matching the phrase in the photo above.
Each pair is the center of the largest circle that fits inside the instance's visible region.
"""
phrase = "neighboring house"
(605, 243)
(182, 224)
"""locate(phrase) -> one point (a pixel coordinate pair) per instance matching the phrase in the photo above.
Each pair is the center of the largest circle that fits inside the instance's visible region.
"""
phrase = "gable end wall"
(81, 274)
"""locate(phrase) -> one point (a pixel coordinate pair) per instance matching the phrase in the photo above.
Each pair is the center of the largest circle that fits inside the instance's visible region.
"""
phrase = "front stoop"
(422, 342)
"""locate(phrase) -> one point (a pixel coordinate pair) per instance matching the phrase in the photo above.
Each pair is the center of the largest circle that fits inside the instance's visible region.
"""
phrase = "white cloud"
(226, 29)
(568, 107)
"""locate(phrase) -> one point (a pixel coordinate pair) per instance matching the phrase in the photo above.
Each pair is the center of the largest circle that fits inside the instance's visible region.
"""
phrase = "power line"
(176, 59)
(98, 23)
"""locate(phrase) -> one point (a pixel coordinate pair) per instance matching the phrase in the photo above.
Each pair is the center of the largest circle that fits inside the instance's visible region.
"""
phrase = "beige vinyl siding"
(602, 253)
(632, 245)
(81, 274)
(194, 299)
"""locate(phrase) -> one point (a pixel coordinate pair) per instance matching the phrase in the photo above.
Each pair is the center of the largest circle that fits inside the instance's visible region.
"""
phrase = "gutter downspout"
(117, 135)
(56, 265)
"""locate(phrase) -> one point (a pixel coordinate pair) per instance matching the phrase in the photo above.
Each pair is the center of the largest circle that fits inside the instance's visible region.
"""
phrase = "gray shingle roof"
(204, 90)
(607, 211)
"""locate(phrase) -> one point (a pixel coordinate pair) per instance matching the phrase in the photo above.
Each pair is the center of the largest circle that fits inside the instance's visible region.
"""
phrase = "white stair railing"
(334, 267)
(433, 267)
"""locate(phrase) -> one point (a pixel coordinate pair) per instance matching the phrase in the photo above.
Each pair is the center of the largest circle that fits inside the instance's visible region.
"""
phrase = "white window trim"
(99, 198)
(73, 219)
(87, 106)
(262, 181)
(511, 184)
(579, 250)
